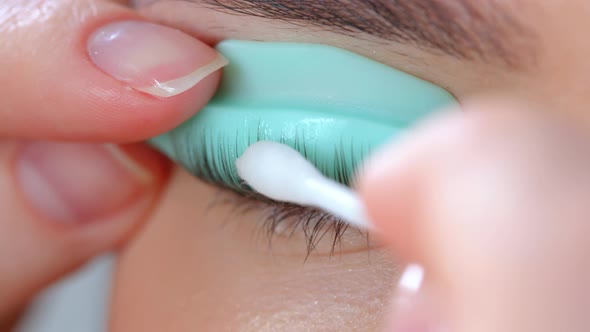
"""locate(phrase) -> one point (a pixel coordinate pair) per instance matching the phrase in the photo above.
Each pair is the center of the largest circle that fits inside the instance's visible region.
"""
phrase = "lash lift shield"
(288, 111)
(332, 106)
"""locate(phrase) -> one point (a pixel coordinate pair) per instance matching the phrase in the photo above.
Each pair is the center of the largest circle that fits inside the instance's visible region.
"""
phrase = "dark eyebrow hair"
(466, 29)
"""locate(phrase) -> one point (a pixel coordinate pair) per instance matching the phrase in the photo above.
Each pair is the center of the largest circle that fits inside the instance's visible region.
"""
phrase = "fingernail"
(411, 280)
(413, 310)
(79, 183)
(155, 59)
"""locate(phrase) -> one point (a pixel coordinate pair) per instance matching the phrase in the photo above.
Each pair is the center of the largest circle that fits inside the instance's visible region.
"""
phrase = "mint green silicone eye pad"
(331, 105)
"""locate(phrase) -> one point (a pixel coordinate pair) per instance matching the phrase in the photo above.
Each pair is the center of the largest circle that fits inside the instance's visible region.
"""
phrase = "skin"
(169, 273)
(187, 264)
(270, 287)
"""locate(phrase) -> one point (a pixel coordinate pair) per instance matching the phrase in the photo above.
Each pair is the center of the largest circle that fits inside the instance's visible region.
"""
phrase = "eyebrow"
(466, 29)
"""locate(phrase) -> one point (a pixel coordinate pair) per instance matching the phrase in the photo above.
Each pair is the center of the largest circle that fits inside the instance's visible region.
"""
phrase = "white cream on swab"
(281, 173)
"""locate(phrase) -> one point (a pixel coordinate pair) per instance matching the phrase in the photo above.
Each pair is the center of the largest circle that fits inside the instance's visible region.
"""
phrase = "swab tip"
(281, 173)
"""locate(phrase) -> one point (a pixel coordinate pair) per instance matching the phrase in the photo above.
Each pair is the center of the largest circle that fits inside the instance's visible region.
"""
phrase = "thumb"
(65, 203)
(493, 203)
(95, 70)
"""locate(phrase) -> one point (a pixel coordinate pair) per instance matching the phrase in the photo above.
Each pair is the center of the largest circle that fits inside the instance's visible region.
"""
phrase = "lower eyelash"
(313, 223)
(287, 219)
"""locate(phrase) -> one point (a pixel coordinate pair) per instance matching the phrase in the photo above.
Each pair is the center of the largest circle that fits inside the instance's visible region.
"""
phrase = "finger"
(63, 203)
(494, 204)
(94, 70)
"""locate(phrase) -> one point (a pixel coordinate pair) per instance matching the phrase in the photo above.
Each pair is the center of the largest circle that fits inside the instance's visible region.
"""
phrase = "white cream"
(281, 173)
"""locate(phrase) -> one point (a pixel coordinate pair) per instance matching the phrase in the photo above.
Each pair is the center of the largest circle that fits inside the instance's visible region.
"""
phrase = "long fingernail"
(155, 59)
(79, 183)
(411, 280)
(413, 310)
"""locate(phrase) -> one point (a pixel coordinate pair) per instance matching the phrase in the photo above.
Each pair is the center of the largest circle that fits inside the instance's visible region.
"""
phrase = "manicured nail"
(411, 280)
(155, 59)
(413, 308)
(79, 183)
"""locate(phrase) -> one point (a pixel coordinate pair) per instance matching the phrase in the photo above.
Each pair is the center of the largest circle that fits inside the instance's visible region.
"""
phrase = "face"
(211, 260)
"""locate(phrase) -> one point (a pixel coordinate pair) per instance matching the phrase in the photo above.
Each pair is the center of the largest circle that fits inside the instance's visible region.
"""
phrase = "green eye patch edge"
(331, 105)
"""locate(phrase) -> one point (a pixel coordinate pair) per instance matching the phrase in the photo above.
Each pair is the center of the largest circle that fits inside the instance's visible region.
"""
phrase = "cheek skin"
(191, 267)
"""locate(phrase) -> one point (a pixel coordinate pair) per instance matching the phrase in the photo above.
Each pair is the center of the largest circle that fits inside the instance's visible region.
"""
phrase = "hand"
(84, 71)
(494, 204)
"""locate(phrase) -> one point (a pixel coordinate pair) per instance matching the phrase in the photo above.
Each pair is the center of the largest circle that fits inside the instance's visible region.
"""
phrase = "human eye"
(201, 266)
(332, 106)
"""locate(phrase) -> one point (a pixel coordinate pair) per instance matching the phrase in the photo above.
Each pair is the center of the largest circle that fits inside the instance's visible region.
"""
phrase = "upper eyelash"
(202, 164)
(314, 224)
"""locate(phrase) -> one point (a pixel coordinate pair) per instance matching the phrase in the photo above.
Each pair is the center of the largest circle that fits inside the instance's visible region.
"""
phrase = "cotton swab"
(281, 173)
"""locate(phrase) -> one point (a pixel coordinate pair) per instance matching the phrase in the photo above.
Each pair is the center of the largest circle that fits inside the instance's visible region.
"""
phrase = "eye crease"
(332, 106)
(465, 29)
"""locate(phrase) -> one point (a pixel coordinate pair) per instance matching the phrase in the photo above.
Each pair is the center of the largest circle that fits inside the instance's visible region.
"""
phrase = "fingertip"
(394, 180)
(388, 200)
(112, 78)
(147, 78)
(127, 115)
(445, 169)
(67, 202)
(155, 59)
